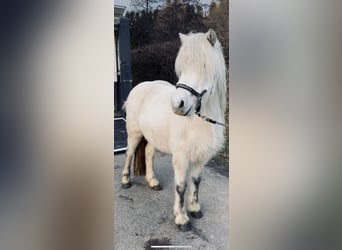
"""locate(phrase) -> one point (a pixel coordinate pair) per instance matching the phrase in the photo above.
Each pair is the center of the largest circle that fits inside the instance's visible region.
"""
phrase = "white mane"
(206, 60)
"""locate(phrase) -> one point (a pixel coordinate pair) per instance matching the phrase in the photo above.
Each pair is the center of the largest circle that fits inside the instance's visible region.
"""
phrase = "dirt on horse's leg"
(193, 205)
(180, 166)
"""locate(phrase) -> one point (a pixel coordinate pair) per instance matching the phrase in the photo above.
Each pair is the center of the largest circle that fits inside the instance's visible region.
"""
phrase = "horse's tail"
(139, 158)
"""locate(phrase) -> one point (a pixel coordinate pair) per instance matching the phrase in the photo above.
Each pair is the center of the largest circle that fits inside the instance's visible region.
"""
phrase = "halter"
(195, 93)
(198, 104)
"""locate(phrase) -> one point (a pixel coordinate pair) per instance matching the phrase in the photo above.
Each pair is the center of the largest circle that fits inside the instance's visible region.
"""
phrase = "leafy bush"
(155, 62)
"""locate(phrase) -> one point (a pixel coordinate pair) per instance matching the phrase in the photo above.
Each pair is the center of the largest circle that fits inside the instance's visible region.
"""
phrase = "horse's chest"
(202, 145)
(202, 137)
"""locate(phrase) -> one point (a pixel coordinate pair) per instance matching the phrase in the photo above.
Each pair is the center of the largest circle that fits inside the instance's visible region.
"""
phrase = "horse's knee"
(180, 188)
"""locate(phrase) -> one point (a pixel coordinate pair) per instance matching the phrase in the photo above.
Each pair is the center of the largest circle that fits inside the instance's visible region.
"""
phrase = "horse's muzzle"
(182, 112)
(180, 106)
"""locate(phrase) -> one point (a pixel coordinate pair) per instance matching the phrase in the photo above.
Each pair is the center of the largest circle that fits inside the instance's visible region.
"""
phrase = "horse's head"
(195, 68)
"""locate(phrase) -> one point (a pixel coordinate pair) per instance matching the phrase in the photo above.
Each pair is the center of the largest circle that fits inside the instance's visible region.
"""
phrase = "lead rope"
(210, 120)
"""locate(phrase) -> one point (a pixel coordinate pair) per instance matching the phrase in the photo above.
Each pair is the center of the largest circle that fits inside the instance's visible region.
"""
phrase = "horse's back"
(147, 92)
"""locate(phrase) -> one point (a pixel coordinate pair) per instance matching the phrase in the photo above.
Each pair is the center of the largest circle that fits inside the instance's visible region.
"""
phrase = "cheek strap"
(195, 93)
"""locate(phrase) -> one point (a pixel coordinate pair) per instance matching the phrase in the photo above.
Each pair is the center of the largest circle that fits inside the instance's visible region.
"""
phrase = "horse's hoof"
(126, 185)
(186, 227)
(157, 188)
(197, 214)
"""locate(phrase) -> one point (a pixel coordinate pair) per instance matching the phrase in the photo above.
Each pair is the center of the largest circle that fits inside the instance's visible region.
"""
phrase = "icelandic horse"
(182, 120)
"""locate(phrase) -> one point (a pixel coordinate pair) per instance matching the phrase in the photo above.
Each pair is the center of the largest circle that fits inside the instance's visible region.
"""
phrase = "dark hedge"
(155, 62)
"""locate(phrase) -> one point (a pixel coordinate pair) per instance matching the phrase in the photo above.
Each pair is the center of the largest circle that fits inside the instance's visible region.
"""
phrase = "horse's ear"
(182, 37)
(211, 36)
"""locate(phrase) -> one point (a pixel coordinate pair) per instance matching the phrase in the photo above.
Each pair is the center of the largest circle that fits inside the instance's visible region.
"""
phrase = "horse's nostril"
(181, 105)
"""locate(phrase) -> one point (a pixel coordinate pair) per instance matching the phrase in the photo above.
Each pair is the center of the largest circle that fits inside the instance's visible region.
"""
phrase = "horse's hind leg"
(132, 143)
(150, 177)
(193, 205)
(182, 220)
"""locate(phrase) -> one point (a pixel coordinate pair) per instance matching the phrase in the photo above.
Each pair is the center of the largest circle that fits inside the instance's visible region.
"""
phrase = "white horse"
(180, 120)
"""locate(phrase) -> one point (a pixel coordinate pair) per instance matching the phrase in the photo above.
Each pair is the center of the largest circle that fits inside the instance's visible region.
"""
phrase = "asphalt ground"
(143, 218)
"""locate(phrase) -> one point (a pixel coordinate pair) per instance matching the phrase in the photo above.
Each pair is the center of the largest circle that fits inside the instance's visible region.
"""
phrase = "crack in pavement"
(126, 198)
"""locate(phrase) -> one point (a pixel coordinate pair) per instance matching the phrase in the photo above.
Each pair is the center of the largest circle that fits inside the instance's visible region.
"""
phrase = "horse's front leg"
(182, 220)
(193, 205)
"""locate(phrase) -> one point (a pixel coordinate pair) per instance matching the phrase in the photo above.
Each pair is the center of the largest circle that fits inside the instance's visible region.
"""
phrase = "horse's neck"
(215, 111)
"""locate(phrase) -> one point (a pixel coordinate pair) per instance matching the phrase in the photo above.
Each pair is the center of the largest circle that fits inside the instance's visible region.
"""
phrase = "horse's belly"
(159, 144)
(156, 132)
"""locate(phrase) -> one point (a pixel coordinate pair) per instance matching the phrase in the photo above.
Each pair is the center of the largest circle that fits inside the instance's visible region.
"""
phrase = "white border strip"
(120, 150)
(171, 246)
(119, 118)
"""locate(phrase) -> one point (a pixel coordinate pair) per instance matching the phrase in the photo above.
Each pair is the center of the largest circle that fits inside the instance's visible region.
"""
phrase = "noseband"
(198, 104)
(195, 93)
